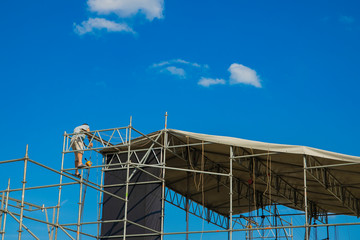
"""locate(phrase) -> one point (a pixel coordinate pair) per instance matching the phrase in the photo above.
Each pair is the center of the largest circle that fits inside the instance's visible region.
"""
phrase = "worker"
(77, 144)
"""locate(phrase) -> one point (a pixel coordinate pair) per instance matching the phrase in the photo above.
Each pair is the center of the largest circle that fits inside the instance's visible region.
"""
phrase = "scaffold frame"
(269, 224)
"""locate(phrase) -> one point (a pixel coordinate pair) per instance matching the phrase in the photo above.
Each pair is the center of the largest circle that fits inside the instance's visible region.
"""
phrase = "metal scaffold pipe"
(6, 210)
(61, 179)
(127, 179)
(306, 203)
(23, 192)
(163, 178)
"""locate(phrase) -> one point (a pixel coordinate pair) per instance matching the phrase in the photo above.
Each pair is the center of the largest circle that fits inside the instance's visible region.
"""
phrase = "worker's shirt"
(78, 134)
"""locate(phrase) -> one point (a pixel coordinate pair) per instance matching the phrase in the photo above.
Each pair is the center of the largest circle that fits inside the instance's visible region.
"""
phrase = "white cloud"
(175, 71)
(101, 23)
(238, 73)
(172, 66)
(186, 62)
(160, 64)
(123, 9)
(206, 82)
(174, 61)
(242, 74)
(127, 8)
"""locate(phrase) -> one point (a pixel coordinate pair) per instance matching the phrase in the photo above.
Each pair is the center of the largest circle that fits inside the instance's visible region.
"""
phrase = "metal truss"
(276, 182)
(220, 173)
(324, 176)
(107, 139)
(196, 209)
(267, 222)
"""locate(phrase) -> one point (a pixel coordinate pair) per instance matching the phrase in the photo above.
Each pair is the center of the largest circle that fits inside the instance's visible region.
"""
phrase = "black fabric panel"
(144, 205)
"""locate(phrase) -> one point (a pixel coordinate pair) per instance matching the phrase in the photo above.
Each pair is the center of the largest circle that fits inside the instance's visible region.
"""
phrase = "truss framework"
(332, 185)
(120, 140)
(281, 187)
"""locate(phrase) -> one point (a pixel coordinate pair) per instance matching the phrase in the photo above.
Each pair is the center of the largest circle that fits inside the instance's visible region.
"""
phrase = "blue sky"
(283, 71)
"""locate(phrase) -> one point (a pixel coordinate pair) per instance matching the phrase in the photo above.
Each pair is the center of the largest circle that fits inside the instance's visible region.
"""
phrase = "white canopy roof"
(269, 147)
(335, 188)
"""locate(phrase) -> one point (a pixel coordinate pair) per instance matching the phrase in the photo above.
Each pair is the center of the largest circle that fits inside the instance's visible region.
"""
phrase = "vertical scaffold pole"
(52, 228)
(163, 178)
(2, 207)
(187, 202)
(23, 192)
(80, 207)
(6, 209)
(100, 196)
(231, 193)
(306, 203)
(292, 230)
(127, 179)
(59, 196)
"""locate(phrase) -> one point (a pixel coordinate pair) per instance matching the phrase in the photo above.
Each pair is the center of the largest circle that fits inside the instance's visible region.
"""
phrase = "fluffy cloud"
(123, 9)
(101, 23)
(242, 74)
(206, 82)
(126, 8)
(239, 74)
(175, 71)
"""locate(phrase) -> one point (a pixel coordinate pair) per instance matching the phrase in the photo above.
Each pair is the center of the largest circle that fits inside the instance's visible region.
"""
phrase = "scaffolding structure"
(128, 149)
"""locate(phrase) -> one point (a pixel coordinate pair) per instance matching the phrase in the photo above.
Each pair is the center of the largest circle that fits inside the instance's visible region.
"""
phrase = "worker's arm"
(91, 144)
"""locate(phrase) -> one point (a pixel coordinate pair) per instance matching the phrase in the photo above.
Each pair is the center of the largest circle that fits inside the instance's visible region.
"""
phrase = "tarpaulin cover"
(144, 205)
(279, 161)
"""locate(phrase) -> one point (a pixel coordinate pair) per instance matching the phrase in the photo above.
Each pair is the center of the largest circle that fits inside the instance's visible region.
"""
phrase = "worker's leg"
(78, 161)
(76, 169)
(79, 156)
(77, 145)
